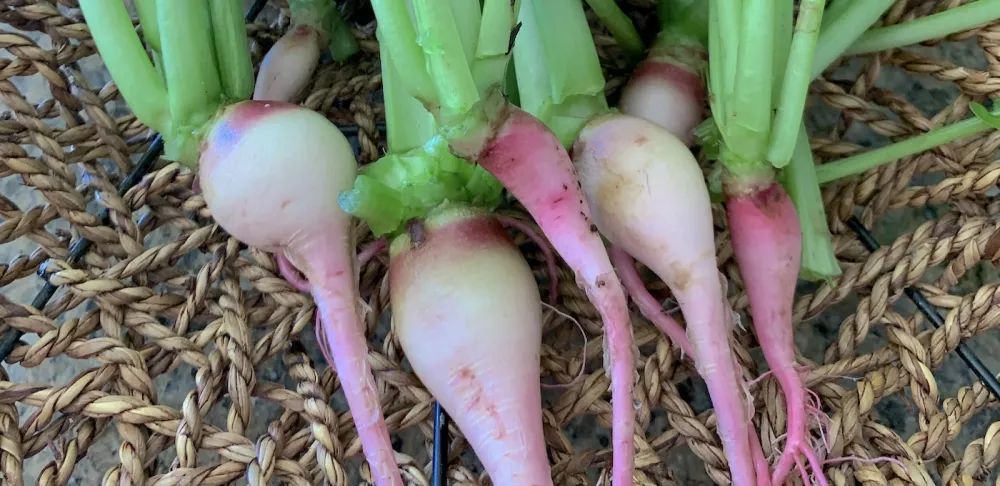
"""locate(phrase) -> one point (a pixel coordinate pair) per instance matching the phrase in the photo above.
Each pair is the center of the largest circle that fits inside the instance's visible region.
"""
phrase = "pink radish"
(529, 160)
(467, 312)
(649, 198)
(767, 245)
(282, 197)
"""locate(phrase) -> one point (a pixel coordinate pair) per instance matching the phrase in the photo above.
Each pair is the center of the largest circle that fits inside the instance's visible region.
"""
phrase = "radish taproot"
(290, 63)
(266, 192)
(462, 86)
(467, 312)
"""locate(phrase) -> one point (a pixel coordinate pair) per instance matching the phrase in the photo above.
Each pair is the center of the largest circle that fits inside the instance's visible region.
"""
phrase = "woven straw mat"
(171, 354)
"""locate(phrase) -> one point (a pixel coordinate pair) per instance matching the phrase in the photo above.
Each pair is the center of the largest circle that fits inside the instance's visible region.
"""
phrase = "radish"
(643, 183)
(285, 201)
(757, 108)
(467, 312)
(465, 305)
(667, 87)
(290, 63)
(266, 192)
(461, 83)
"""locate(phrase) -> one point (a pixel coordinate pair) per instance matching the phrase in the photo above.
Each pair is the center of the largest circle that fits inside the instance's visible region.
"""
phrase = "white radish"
(648, 197)
(467, 311)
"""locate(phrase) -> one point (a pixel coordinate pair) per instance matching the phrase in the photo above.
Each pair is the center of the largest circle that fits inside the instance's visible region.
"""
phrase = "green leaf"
(404, 186)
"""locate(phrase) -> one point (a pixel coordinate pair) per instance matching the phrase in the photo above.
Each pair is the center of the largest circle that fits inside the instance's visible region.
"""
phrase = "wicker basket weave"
(173, 355)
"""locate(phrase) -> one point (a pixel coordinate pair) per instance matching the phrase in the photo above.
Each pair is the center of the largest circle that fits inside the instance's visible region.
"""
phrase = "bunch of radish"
(581, 170)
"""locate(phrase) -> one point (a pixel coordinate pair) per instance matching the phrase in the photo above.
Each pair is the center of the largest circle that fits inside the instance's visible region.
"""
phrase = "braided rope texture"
(174, 355)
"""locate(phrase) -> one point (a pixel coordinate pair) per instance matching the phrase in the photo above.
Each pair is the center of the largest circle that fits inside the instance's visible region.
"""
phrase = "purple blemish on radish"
(233, 124)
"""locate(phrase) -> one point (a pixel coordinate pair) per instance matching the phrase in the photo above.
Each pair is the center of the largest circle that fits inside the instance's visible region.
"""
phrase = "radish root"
(583, 351)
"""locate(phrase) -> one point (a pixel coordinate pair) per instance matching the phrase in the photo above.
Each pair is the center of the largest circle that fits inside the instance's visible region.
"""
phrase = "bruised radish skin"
(666, 93)
(467, 312)
(289, 65)
(528, 159)
(767, 245)
(282, 197)
(649, 198)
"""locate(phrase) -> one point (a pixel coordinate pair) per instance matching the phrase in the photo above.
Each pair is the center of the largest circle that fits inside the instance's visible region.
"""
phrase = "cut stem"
(796, 82)
(843, 29)
(407, 123)
(233, 48)
(491, 57)
(619, 25)
(869, 160)
(799, 179)
(122, 52)
(441, 41)
(559, 79)
(958, 19)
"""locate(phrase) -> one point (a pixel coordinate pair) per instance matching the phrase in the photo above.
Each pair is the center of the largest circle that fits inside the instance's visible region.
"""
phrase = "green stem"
(749, 116)
(408, 124)
(194, 88)
(923, 29)
(844, 29)
(401, 39)
(491, 57)
(799, 180)
(796, 82)
(689, 17)
(233, 49)
(716, 72)
(869, 160)
(728, 14)
(150, 27)
(619, 25)
(123, 54)
(784, 30)
(834, 10)
(559, 73)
